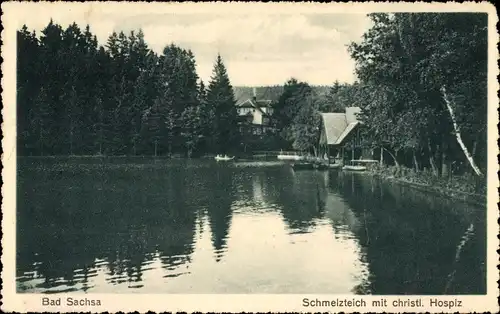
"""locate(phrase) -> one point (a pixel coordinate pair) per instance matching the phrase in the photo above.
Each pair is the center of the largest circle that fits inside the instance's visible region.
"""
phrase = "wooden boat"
(223, 158)
(355, 164)
(289, 157)
(354, 168)
(334, 166)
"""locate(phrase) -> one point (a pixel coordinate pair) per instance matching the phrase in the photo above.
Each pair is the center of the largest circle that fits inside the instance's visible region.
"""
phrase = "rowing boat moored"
(223, 158)
(354, 168)
(289, 157)
(335, 166)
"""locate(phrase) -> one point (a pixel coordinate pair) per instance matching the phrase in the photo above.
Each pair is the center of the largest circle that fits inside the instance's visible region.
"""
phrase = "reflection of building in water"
(258, 193)
(302, 200)
(336, 209)
(340, 214)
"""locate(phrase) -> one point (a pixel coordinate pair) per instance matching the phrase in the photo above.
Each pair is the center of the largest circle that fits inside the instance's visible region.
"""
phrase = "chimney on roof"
(351, 114)
(254, 94)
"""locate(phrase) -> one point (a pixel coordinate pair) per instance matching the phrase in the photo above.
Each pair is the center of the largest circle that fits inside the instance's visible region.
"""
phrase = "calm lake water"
(191, 226)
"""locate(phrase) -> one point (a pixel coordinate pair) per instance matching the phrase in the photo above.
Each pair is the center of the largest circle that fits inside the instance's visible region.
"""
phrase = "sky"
(259, 47)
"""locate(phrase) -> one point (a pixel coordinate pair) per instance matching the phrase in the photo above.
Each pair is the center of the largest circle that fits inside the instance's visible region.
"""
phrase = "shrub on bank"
(463, 186)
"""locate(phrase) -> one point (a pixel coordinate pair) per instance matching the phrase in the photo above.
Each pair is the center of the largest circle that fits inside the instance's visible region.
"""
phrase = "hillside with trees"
(273, 93)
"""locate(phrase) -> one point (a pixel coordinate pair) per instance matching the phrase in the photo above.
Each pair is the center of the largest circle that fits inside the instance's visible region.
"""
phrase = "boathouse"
(339, 135)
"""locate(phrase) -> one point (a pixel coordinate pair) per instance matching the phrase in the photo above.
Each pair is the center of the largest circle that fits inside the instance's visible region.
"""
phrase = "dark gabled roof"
(334, 124)
(242, 93)
(263, 103)
(247, 103)
(253, 103)
(339, 125)
(346, 132)
(259, 104)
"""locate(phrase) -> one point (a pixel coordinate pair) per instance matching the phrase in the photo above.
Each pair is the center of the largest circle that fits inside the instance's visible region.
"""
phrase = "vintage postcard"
(256, 157)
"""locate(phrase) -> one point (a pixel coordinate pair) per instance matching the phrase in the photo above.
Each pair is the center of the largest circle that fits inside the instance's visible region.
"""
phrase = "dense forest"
(78, 98)
(422, 87)
(423, 90)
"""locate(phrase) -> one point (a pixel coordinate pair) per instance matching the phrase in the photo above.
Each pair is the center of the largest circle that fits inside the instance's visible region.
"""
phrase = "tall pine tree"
(220, 100)
(28, 86)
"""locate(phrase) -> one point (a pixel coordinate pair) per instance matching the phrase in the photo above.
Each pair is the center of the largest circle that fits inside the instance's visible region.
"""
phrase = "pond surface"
(194, 226)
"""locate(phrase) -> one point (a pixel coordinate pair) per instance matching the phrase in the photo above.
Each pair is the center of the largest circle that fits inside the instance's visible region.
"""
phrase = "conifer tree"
(220, 99)
(28, 86)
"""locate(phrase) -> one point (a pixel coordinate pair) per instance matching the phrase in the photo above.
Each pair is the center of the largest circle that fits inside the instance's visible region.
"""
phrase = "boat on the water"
(223, 158)
(290, 157)
(356, 165)
(335, 166)
(354, 168)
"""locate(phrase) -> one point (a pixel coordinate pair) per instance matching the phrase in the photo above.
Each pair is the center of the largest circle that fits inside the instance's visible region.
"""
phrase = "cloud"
(262, 30)
(323, 69)
(258, 48)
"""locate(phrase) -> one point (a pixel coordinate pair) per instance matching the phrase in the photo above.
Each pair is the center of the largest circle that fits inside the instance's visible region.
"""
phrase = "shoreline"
(436, 189)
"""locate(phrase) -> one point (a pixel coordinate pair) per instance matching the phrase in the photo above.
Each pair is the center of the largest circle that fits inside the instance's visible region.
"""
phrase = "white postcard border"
(222, 302)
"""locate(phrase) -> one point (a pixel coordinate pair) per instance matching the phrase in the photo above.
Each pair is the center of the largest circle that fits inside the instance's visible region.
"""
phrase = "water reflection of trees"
(219, 209)
(175, 243)
(410, 238)
(69, 221)
(255, 186)
(301, 198)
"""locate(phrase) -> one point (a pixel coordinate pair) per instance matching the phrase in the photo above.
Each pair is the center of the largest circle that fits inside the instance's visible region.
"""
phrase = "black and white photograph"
(252, 151)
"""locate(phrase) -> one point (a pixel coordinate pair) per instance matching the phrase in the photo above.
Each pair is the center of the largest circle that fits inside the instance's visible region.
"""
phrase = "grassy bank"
(467, 187)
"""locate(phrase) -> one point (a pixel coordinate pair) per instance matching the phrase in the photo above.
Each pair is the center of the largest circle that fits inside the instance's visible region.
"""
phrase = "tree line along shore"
(422, 88)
